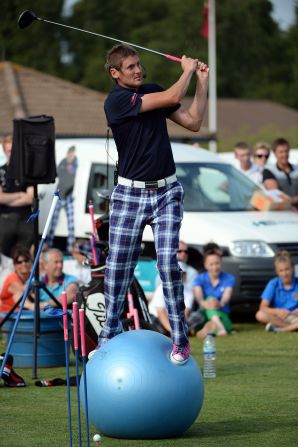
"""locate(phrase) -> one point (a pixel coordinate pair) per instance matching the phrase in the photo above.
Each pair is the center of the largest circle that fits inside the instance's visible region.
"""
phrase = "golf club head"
(26, 18)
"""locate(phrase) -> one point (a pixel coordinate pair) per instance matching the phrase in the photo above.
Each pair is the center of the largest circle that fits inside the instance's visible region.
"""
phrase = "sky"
(283, 12)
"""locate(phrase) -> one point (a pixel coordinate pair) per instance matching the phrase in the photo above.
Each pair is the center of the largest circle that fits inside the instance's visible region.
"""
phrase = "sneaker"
(271, 328)
(102, 342)
(14, 380)
(180, 354)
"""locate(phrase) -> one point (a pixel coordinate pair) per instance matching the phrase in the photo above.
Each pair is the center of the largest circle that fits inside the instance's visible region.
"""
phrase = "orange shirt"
(6, 298)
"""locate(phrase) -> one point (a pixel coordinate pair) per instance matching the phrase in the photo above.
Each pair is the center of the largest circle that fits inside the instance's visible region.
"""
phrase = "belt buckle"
(151, 185)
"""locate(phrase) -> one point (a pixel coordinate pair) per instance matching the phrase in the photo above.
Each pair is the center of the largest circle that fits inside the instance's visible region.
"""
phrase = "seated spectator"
(15, 283)
(55, 280)
(182, 256)
(243, 155)
(213, 291)
(279, 305)
(283, 175)
(6, 267)
(261, 153)
(75, 266)
(157, 306)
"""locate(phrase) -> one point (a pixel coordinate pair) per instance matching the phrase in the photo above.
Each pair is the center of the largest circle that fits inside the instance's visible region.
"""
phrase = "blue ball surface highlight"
(136, 392)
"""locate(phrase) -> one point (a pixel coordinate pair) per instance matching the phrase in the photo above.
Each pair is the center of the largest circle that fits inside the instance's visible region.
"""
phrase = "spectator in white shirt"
(243, 155)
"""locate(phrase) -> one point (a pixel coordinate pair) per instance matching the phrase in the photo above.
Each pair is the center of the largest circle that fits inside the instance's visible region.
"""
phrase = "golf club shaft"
(75, 318)
(168, 56)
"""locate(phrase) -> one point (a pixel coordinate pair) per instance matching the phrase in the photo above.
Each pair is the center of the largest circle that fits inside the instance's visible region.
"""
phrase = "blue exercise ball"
(136, 392)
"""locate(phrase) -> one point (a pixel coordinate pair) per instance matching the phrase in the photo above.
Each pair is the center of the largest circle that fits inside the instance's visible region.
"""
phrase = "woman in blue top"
(279, 305)
(213, 291)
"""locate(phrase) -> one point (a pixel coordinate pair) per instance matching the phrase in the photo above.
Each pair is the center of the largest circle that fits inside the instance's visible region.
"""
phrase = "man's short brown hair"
(117, 54)
(280, 142)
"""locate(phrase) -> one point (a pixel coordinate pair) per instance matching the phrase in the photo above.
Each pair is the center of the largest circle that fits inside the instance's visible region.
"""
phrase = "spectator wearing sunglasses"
(283, 175)
(15, 283)
(183, 256)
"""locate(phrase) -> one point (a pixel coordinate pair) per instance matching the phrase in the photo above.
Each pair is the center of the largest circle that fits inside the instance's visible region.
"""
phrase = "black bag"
(33, 151)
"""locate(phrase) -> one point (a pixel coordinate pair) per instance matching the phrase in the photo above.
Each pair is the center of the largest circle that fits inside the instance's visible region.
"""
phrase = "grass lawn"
(252, 402)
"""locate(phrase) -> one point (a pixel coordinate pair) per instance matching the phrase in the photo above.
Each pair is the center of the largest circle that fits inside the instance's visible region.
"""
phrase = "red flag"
(204, 26)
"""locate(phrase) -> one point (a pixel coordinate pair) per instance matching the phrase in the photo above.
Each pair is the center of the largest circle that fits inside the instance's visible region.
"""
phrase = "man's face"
(285, 271)
(54, 266)
(282, 154)
(244, 157)
(130, 74)
(182, 253)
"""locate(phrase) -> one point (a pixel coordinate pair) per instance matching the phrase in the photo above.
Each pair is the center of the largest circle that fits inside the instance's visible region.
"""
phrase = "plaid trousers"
(130, 210)
(67, 204)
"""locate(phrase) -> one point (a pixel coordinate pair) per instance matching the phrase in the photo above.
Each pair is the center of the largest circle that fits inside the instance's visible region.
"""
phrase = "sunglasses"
(182, 251)
(23, 261)
(262, 156)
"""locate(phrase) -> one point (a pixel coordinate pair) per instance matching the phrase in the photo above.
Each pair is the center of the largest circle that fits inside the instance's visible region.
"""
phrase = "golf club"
(27, 17)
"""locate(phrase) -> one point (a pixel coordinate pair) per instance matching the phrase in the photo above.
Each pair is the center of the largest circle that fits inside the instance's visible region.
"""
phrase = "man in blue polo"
(147, 191)
(279, 305)
(55, 280)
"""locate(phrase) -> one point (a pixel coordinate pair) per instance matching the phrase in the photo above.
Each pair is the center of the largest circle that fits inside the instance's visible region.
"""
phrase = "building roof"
(78, 111)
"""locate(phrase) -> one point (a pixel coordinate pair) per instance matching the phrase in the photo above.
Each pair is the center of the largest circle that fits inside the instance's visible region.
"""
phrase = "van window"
(98, 184)
(214, 187)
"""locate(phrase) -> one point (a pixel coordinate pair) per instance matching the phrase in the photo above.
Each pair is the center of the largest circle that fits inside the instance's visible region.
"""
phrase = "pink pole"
(91, 211)
(65, 316)
(82, 332)
(75, 317)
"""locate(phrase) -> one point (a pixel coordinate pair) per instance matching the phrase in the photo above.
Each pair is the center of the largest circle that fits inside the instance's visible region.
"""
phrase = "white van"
(217, 208)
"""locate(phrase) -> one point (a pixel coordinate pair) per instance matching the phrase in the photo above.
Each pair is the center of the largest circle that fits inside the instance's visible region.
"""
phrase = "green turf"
(252, 402)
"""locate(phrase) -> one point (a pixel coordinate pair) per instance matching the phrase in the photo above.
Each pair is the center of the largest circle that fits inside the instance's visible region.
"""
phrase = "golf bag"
(91, 299)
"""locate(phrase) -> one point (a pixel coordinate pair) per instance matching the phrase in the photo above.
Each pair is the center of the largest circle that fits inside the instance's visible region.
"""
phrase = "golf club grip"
(177, 59)
(75, 317)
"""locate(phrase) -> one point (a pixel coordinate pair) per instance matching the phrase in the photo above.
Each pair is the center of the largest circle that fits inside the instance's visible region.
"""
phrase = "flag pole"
(212, 105)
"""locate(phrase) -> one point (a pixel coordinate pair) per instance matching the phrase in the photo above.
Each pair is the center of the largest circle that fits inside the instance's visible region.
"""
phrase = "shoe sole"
(177, 362)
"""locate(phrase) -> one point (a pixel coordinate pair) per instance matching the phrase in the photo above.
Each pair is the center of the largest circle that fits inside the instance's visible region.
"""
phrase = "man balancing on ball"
(147, 191)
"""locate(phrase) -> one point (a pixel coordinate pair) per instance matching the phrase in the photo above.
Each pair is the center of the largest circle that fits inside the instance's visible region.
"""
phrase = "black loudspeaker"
(33, 151)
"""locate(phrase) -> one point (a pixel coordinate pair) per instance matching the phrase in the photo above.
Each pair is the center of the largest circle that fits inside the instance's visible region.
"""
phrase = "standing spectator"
(66, 172)
(261, 153)
(213, 291)
(15, 283)
(279, 305)
(283, 175)
(15, 208)
(55, 280)
(243, 155)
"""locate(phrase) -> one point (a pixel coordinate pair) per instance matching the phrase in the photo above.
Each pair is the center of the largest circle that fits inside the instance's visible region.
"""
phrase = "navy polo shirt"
(279, 297)
(142, 139)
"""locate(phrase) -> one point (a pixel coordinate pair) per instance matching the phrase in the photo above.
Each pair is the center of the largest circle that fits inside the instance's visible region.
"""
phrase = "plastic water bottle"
(209, 353)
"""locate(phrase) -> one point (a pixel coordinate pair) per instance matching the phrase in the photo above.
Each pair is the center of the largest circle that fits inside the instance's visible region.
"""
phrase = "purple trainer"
(180, 354)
